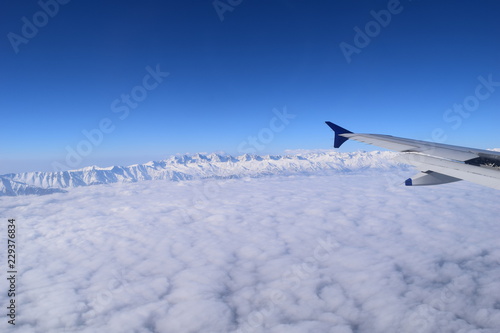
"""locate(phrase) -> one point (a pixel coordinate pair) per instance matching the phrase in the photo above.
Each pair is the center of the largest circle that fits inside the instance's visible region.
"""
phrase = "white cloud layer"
(336, 252)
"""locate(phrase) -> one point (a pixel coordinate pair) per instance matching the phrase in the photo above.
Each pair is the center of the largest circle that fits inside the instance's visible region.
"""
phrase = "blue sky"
(231, 69)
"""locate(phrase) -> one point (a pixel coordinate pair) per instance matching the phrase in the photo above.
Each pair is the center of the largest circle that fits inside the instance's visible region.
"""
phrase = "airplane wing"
(439, 163)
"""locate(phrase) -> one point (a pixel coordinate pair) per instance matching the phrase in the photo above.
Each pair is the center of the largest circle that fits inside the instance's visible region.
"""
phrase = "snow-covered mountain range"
(198, 166)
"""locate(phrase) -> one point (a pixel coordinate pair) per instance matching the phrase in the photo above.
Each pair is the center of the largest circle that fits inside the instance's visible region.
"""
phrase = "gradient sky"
(227, 76)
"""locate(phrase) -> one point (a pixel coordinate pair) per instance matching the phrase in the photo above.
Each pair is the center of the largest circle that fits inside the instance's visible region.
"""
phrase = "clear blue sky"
(226, 76)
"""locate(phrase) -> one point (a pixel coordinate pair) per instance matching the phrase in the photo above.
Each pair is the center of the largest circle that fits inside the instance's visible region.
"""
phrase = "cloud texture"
(336, 252)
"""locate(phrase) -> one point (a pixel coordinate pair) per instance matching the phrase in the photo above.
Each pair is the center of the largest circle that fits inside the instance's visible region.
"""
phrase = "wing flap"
(430, 178)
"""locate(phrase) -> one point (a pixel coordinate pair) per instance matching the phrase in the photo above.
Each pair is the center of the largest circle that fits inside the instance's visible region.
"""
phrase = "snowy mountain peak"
(197, 166)
(10, 187)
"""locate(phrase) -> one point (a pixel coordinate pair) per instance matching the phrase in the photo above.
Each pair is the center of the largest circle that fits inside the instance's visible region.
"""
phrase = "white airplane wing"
(439, 163)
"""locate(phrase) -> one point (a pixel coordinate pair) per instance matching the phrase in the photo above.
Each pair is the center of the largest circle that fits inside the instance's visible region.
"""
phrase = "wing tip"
(339, 140)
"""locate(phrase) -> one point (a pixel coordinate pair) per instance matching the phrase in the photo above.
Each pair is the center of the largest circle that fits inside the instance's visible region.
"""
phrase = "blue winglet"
(339, 140)
(409, 182)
